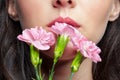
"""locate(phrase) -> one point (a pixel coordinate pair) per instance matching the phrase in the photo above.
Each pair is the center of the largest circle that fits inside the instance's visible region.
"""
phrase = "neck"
(85, 71)
(62, 70)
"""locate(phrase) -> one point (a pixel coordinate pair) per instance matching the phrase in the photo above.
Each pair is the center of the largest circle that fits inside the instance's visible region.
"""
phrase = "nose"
(63, 3)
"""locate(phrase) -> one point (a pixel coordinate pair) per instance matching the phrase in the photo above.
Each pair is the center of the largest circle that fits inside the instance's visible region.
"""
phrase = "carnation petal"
(40, 38)
(40, 46)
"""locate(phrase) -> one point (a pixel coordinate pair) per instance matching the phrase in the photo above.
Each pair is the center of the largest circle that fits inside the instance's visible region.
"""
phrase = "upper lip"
(64, 20)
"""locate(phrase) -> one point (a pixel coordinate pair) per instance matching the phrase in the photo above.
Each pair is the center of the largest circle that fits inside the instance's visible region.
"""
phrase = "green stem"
(36, 61)
(39, 69)
(52, 72)
(37, 74)
(71, 76)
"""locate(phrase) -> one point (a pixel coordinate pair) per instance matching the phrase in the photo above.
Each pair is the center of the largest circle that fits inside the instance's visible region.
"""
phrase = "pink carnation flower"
(38, 37)
(87, 48)
(63, 28)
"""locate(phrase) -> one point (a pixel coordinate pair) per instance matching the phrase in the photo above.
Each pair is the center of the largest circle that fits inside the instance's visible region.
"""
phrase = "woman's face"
(92, 16)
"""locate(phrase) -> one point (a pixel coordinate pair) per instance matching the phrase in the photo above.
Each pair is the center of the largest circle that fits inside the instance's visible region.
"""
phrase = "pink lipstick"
(64, 20)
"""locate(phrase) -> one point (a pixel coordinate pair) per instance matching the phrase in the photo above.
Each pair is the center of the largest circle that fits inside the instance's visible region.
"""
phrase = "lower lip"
(66, 20)
(70, 22)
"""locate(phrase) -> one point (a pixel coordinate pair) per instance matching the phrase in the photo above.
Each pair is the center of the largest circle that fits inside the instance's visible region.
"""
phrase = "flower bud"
(76, 62)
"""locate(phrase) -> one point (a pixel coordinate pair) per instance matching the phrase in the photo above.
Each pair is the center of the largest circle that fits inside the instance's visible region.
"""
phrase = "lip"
(64, 20)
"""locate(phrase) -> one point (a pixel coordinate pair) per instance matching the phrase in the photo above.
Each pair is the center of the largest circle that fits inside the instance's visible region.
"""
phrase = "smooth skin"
(91, 15)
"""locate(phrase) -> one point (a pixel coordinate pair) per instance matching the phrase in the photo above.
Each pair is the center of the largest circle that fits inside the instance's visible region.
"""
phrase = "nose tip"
(63, 3)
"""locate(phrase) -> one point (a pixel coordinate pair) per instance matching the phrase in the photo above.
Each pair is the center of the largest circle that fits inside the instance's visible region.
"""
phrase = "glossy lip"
(64, 20)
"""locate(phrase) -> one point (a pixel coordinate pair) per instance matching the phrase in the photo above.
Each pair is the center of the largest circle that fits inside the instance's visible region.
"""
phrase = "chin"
(68, 54)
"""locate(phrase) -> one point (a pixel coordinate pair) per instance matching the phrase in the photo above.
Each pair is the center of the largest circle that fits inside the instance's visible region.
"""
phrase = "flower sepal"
(76, 62)
(60, 46)
(34, 54)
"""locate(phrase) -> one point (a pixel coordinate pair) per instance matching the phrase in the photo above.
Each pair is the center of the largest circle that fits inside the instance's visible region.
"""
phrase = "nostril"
(58, 2)
(63, 3)
(69, 1)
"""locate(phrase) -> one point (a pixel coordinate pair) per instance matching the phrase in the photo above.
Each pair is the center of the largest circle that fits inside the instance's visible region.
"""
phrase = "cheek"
(94, 24)
(93, 32)
(97, 11)
(96, 33)
(30, 13)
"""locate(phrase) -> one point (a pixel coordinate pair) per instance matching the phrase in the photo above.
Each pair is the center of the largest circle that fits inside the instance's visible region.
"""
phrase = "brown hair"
(109, 68)
(15, 64)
